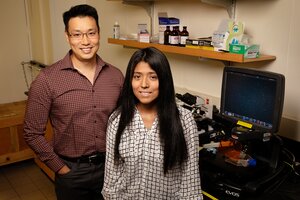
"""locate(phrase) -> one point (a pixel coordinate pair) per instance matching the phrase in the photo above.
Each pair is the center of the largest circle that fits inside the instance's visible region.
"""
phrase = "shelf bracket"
(226, 63)
(230, 5)
(148, 6)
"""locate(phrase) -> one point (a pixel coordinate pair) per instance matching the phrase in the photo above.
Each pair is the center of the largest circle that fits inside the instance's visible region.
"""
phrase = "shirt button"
(95, 106)
(95, 121)
(93, 90)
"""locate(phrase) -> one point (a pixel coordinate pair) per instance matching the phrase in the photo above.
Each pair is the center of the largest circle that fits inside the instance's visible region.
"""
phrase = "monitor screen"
(252, 97)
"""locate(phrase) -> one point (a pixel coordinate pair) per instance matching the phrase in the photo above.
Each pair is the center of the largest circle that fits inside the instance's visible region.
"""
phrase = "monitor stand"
(264, 145)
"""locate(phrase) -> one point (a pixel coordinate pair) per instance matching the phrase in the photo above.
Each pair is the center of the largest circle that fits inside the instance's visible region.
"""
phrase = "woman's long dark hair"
(170, 127)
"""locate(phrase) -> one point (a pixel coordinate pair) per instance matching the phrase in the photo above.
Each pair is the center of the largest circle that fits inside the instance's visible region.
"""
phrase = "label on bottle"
(161, 36)
(174, 39)
(183, 39)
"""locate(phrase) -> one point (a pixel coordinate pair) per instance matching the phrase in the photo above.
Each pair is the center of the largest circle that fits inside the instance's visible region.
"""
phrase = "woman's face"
(145, 84)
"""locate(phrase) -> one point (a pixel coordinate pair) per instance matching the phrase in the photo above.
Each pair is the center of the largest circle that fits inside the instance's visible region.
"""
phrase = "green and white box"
(249, 51)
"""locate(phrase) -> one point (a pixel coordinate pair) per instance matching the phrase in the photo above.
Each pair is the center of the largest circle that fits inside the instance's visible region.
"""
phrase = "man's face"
(83, 37)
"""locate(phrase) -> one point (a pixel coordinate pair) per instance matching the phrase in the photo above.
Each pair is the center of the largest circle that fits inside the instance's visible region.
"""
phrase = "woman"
(152, 145)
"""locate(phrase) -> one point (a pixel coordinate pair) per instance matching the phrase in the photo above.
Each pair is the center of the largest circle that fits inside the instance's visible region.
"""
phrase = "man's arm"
(36, 118)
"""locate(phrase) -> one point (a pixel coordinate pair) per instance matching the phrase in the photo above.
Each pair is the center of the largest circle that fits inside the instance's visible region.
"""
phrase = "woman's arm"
(191, 184)
(113, 170)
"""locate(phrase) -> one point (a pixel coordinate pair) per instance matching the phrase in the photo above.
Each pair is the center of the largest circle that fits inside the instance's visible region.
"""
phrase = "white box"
(144, 37)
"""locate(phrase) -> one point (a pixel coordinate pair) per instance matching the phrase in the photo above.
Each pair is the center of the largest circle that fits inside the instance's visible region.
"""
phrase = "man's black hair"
(82, 10)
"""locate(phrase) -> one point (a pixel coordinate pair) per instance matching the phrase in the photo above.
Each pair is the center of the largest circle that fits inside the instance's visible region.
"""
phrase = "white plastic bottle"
(116, 30)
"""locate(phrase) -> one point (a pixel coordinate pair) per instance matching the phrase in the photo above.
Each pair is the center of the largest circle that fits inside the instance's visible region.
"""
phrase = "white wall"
(14, 50)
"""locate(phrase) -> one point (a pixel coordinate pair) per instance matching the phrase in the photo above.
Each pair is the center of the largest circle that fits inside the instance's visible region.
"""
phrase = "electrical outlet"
(208, 105)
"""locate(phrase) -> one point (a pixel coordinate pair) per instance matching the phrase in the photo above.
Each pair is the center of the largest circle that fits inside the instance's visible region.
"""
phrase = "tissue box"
(228, 32)
(249, 51)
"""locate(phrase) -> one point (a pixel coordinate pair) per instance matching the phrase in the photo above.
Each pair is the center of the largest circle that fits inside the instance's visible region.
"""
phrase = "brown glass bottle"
(184, 35)
(174, 36)
(167, 33)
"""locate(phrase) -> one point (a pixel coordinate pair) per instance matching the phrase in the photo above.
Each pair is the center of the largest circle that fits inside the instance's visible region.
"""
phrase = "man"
(77, 94)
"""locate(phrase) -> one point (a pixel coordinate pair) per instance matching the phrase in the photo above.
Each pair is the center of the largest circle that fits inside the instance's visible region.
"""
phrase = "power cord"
(292, 161)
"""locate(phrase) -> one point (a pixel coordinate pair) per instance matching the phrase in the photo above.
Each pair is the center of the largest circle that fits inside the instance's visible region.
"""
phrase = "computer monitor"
(252, 98)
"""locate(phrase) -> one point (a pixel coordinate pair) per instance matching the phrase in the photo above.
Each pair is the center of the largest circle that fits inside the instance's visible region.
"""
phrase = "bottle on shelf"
(167, 33)
(174, 36)
(183, 36)
(116, 31)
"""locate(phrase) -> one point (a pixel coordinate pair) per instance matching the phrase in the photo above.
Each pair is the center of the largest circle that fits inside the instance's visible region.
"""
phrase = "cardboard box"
(165, 21)
(199, 41)
(249, 51)
(209, 48)
(143, 34)
(144, 37)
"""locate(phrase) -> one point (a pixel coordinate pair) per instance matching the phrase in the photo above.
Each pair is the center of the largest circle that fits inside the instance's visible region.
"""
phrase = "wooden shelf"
(222, 56)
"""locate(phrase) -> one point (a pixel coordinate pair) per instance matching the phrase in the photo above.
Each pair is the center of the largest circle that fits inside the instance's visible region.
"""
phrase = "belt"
(95, 158)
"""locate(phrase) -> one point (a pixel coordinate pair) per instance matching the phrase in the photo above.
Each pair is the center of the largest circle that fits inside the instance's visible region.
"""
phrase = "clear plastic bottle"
(184, 35)
(116, 30)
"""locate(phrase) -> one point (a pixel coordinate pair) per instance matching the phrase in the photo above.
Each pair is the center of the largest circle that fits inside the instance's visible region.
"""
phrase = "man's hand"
(64, 170)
